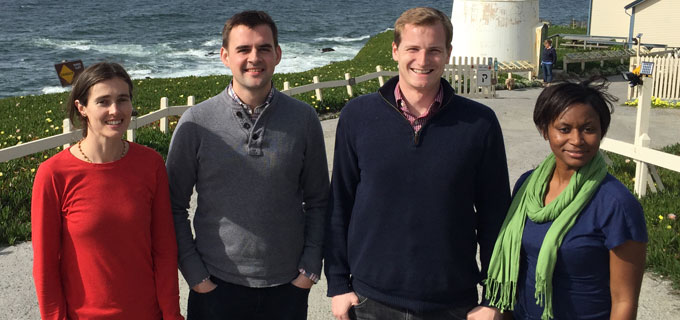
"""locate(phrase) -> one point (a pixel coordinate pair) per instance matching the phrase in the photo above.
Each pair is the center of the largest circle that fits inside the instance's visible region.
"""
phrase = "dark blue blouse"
(581, 277)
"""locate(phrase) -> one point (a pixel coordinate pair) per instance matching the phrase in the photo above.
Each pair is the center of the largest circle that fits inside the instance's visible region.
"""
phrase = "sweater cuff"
(338, 285)
(194, 271)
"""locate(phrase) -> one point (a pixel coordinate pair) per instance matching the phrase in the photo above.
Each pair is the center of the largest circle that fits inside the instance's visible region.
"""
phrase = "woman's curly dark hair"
(557, 98)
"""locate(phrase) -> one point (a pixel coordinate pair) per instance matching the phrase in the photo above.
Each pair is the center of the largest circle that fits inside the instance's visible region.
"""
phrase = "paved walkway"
(525, 150)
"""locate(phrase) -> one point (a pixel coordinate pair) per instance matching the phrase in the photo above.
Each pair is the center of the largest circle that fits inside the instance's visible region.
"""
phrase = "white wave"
(304, 56)
(213, 43)
(64, 44)
(193, 53)
(54, 89)
(342, 39)
(134, 50)
(139, 73)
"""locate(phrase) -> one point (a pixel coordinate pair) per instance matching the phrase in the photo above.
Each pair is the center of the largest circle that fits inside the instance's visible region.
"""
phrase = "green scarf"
(528, 202)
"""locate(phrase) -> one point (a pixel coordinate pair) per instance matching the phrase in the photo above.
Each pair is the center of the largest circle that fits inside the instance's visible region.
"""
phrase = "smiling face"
(251, 55)
(108, 109)
(421, 56)
(574, 137)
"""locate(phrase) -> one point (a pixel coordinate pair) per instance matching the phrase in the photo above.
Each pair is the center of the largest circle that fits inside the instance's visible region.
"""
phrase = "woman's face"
(575, 136)
(546, 44)
(108, 109)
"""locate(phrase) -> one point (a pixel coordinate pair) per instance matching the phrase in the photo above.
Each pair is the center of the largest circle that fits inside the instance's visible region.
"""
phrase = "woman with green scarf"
(574, 241)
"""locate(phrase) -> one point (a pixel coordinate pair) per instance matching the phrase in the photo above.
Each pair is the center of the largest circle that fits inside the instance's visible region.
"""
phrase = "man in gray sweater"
(257, 160)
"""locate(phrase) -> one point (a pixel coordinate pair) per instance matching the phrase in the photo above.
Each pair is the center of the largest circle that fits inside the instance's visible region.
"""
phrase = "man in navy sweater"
(420, 179)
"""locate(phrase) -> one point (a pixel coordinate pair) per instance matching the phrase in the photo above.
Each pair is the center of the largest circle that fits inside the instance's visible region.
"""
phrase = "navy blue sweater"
(407, 210)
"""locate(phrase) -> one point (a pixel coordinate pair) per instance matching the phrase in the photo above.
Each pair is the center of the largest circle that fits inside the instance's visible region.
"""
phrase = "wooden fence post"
(349, 87)
(286, 85)
(641, 137)
(317, 91)
(191, 100)
(131, 134)
(163, 126)
(66, 127)
(381, 80)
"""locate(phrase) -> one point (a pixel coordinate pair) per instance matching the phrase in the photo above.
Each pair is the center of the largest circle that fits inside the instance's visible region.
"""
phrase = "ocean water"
(172, 38)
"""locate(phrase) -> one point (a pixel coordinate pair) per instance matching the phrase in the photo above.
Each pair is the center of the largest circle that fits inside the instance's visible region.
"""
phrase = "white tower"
(504, 29)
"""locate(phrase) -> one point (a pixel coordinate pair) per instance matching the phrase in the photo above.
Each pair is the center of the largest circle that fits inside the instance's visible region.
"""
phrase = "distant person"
(258, 162)
(573, 243)
(419, 180)
(548, 61)
(102, 230)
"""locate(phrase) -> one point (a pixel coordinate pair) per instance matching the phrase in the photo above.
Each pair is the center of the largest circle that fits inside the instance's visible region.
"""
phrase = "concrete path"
(525, 150)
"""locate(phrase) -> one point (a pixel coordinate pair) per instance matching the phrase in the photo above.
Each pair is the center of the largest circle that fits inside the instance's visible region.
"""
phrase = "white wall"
(504, 29)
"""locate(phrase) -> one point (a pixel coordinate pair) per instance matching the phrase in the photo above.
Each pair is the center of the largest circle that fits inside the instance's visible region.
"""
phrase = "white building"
(505, 29)
(657, 20)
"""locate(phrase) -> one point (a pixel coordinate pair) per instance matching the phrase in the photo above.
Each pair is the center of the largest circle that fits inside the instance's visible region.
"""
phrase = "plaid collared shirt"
(418, 122)
(253, 113)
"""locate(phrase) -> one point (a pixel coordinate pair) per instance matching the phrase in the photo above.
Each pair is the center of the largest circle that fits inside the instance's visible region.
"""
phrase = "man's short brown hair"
(250, 19)
(423, 16)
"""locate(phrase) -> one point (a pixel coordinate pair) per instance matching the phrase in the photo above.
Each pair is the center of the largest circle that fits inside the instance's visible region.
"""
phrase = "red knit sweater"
(103, 238)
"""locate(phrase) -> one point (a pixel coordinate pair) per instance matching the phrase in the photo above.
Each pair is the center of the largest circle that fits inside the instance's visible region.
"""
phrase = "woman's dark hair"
(555, 99)
(92, 75)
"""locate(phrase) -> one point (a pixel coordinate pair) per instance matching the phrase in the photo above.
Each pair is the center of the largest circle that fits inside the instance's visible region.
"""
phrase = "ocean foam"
(54, 89)
(342, 39)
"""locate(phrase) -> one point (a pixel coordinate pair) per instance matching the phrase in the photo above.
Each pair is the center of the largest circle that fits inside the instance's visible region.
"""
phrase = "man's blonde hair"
(423, 16)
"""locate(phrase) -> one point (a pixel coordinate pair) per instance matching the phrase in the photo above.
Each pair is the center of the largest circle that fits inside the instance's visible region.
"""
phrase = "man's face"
(251, 55)
(421, 56)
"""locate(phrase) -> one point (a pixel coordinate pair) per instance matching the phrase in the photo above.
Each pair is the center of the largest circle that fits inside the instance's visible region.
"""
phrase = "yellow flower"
(2, 132)
(45, 157)
(32, 169)
(48, 120)
(660, 217)
(0, 174)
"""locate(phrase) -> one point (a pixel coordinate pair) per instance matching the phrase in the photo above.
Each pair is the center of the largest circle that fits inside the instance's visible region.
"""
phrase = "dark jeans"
(230, 301)
(547, 72)
(369, 309)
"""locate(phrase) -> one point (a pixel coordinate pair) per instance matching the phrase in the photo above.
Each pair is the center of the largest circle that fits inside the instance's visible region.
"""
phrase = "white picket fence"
(462, 76)
(666, 77)
(646, 158)
(463, 72)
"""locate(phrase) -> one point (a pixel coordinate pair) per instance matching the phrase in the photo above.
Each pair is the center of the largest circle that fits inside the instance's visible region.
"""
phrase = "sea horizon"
(178, 39)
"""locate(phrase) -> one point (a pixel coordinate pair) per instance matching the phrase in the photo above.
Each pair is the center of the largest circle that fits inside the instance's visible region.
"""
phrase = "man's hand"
(484, 313)
(204, 287)
(302, 282)
(340, 305)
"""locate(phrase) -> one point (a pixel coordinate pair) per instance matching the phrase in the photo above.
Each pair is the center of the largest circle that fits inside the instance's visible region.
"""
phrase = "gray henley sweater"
(262, 191)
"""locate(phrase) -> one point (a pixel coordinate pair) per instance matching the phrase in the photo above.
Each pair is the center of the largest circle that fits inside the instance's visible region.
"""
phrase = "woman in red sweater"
(103, 237)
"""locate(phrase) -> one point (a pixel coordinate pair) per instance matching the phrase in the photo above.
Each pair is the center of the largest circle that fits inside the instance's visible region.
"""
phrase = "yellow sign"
(66, 73)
